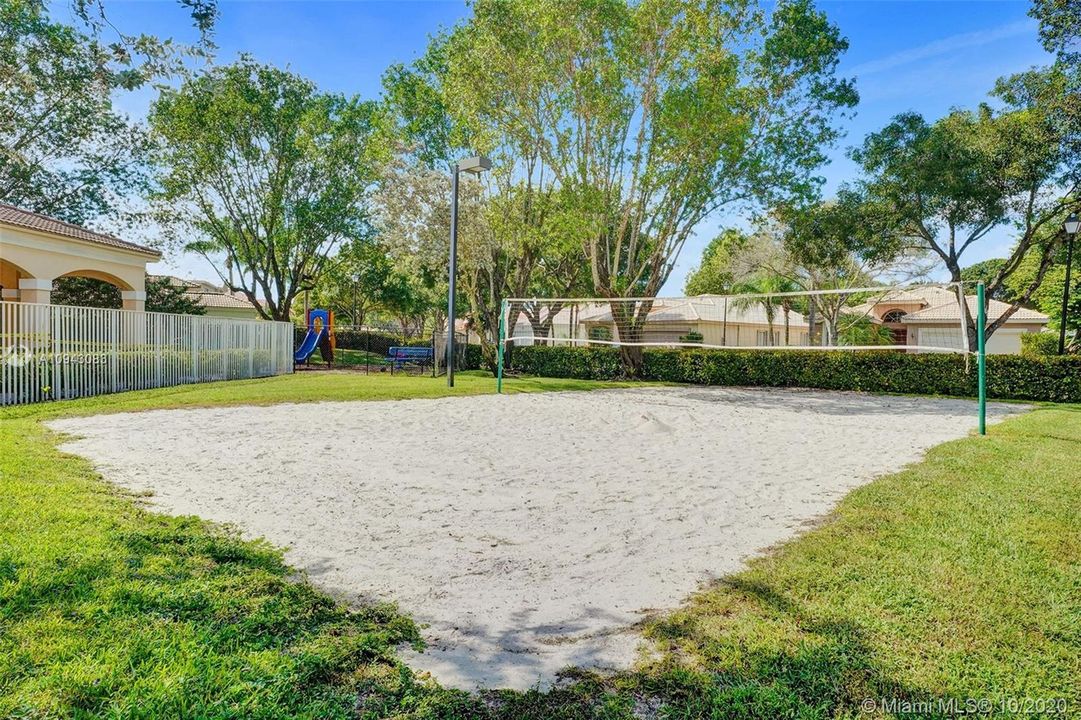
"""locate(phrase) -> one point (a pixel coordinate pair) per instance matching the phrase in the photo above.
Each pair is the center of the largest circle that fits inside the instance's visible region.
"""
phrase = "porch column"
(35, 290)
(133, 299)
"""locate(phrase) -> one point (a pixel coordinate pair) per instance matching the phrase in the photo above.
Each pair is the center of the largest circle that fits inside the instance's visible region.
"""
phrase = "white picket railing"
(58, 352)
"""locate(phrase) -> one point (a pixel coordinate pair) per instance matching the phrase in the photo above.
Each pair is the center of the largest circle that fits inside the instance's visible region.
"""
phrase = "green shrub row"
(473, 359)
(1055, 379)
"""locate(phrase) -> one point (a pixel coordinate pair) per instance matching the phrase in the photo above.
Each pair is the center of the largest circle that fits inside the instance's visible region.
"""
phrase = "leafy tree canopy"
(650, 116)
(267, 173)
(726, 260)
(985, 272)
(1060, 27)
(362, 279)
(64, 149)
(943, 186)
(1047, 298)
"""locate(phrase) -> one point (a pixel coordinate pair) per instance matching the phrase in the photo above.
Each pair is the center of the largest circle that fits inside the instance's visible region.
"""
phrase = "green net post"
(499, 347)
(981, 356)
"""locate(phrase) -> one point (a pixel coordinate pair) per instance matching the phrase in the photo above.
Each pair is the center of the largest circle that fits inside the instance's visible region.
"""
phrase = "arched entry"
(10, 275)
(95, 288)
(892, 319)
(99, 276)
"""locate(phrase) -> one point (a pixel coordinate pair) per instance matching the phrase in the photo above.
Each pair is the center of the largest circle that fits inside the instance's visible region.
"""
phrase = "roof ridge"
(71, 225)
(72, 228)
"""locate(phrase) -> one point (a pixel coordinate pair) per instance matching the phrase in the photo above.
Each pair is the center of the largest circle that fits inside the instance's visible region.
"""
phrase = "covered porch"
(36, 250)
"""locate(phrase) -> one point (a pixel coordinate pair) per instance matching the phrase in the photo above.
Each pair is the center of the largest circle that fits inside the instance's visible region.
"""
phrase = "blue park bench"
(399, 357)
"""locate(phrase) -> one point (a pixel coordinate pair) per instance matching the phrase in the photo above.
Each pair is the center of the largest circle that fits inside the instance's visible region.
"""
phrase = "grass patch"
(957, 579)
(107, 610)
(359, 358)
(314, 386)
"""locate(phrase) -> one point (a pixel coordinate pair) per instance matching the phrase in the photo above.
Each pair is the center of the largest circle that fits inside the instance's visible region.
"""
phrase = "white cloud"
(945, 46)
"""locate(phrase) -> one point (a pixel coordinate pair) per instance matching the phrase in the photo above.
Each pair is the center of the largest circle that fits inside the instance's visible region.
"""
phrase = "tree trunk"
(787, 323)
(629, 321)
(633, 360)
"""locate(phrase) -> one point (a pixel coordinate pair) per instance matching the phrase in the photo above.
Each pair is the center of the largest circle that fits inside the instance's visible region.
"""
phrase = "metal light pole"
(306, 282)
(474, 165)
(1071, 225)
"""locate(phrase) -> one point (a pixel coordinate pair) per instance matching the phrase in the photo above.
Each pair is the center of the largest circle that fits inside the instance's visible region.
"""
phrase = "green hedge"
(474, 359)
(1008, 376)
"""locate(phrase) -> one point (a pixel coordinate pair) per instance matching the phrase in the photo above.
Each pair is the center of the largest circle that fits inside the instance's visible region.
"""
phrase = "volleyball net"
(924, 318)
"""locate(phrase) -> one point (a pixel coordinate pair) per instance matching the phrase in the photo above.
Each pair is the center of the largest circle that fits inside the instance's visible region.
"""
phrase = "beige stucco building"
(926, 320)
(36, 249)
(930, 317)
(719, 320)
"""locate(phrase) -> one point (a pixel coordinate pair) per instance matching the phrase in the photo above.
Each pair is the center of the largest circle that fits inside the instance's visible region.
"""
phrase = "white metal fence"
(58, 352)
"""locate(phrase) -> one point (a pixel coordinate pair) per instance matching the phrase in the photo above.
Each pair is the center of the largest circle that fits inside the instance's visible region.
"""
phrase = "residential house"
(930, 317)
(718, 320)
(218, 301)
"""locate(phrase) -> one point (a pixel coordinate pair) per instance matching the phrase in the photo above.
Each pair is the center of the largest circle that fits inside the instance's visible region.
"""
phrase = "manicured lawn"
(108, 610)
(956, 579)
(355, 358)
(306, 386)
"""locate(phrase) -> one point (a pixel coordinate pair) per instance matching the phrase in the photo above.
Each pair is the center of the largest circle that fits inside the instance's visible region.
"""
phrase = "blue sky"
(925, 56)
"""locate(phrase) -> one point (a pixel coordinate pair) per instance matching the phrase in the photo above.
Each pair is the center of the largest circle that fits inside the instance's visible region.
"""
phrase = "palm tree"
(768, 286)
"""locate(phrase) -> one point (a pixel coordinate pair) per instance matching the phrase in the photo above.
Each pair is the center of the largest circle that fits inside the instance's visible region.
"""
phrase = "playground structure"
(320, 335)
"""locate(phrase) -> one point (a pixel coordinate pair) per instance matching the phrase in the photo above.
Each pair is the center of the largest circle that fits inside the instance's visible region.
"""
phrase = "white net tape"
(924, 318)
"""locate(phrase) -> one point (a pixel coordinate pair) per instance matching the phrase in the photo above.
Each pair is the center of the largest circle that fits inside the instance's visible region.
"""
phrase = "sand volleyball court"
(529, 532)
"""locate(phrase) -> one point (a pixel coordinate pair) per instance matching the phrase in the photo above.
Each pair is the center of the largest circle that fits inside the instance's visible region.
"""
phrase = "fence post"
(114, 355)
(981, 356)
(196, 330)
(499, 347)
(55, 382)
(159, 338)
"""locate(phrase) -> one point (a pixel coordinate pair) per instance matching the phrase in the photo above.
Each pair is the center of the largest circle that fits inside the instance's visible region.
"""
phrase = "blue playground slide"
(309, 345)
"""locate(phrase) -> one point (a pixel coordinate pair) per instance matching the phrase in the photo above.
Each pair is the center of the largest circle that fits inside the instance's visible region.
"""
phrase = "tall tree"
(267, 172)
(528, 246)
(65, 150)
(1048, 297)
(1060, 27)
(944, 186)
(768, 288)
(985, 272)
(362, 279)
(836, 246)
(650, 116)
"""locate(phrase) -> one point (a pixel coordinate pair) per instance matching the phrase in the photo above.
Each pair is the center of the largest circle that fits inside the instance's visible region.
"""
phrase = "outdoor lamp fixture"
(1071, 226)
(474, 165)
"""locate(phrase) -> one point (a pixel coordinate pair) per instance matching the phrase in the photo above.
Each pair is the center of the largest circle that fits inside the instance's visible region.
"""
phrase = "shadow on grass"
(830, 670)
(190, 620)
(825, 668)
